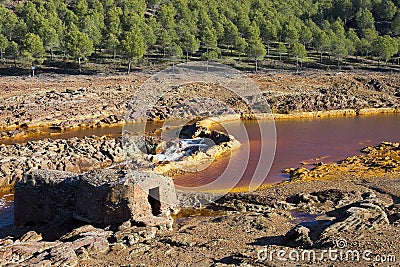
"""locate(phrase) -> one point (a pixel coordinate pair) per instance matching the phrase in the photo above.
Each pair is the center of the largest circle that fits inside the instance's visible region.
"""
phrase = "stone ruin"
(100, 197)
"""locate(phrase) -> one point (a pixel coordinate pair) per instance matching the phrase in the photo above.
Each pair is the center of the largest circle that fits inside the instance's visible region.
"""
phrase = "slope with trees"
(127, 31)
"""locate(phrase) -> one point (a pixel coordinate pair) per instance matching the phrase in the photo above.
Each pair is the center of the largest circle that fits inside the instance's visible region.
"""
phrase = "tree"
(13, 51)
(365, 20)
(113, 21)
(281, 50)
(320, 42)
(174, 52)
(93, 27)
(339, 48)
(210, 41)
(299, 52)
(241, 46)
(112, 43)
(322, 7)
(306, 35)
(3, 45)
(32, 48)
(352, 42)
(364, 47)
(81, 8)
(338, 27)
(362, 4)
(203, 18)
(187, 41)
(370, 35)
(386, 10)
(231, 35)
(343, 9)
(291, 34)
(148, 29)
(396, 24)
(11, 26)
(50, 38)
(166, 17)
(255, 47)
(165, 40)
(268, 30)
(133, 46)
(385, 47)
(78, 44)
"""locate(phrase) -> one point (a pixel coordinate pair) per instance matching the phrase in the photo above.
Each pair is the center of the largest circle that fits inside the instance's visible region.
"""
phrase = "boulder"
(354, 219)
(298, 237)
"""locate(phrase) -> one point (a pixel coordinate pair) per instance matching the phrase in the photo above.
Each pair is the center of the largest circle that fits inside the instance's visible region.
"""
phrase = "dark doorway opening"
(154, 200)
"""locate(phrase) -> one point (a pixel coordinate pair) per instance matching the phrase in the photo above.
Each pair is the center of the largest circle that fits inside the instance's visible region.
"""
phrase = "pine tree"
(13, 51)
(210, 42)
(291, 34)
(231, 35)
(385, 47)
(339, 48)
(395, 26)
(133, 46)
(255, 47)
(3, 45)
(281, 50)
(187, 40)
(320, 42)
(78, 44)
(32, 48)
(299, 52)
(365, 20)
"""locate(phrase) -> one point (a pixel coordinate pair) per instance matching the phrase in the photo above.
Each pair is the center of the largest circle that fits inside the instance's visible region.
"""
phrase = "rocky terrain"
(55, 203)
(349, 205)
(64, 102)
(83, 154)
(239, 229)
(290, 93)
(73, 155)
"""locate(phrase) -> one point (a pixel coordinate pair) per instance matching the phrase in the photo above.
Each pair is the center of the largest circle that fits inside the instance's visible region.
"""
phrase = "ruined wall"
(99, 197)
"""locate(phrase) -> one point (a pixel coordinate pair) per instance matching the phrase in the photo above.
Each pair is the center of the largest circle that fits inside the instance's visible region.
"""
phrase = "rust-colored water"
(298, 141)
(305, 140)
(112, 131)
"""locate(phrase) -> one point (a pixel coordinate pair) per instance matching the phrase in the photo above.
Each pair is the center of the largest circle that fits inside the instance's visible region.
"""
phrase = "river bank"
(58, 103)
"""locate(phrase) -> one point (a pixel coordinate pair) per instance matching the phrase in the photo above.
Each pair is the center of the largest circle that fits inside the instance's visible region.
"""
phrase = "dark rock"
(394, 214)
(298, 237)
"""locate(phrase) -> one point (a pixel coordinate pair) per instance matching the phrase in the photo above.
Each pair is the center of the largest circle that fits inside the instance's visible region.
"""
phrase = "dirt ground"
(253, 222)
